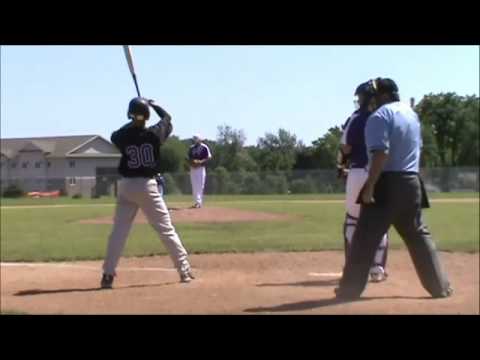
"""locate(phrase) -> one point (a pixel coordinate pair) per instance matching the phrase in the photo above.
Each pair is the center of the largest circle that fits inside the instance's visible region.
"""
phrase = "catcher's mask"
(364, 94)
(138, 109)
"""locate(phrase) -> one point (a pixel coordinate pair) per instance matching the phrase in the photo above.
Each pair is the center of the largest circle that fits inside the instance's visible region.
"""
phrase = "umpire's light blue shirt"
(395, 129)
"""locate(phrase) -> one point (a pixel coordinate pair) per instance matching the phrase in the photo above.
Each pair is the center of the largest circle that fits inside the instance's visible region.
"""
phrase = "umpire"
(392, 195)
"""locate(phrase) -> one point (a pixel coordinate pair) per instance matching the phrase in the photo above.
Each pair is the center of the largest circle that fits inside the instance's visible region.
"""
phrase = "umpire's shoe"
(444, 293)
(107, 281)
(344, 295)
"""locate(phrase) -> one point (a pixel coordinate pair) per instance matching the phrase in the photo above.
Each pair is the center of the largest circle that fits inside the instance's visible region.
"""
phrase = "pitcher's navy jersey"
(140, 148)
(355, 137)
(199, 152)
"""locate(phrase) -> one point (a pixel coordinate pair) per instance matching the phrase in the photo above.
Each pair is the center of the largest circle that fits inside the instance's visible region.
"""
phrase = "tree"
(325, 148)
(304, 157)
(430, 155)
(230, 152)
(453, 120)
(172, 155)
(277, 152)
(469, 153)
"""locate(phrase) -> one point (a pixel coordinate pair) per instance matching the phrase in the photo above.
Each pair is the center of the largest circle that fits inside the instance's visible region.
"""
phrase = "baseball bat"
(128, 55)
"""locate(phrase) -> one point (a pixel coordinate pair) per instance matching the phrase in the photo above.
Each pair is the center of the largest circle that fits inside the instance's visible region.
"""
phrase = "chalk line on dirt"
(325, 274)
(83, 267)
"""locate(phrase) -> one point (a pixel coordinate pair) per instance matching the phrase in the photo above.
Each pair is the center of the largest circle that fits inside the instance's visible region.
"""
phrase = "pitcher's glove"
(196, 163)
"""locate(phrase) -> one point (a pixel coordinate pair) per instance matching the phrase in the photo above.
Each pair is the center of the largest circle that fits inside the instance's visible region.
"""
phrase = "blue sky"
(74, 90)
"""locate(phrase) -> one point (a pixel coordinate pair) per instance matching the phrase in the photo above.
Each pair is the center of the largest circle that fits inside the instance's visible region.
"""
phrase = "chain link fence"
(312, 181)
(79, 186)
(220, 181)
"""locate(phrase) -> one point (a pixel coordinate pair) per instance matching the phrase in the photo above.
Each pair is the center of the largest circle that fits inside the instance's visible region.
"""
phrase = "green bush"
(182, 182)
(13, 191)
(223, 180)
(252, 184)
(171, 185)
(77, 196)
(303, 186)
(275, 184)
(211, 183)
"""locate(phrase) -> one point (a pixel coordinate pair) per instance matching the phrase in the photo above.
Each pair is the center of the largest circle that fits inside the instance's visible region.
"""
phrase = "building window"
(49, 164)
(38, 164)
(25, 164)
(1, 164)
(71, 163)
(14, 165)
(72, 181)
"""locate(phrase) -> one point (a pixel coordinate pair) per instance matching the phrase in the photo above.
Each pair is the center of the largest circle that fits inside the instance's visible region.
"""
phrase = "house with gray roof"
(84, 164)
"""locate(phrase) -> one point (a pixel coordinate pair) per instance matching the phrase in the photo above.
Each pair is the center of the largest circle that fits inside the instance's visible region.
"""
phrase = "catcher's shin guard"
(382, 252)
(348, 230)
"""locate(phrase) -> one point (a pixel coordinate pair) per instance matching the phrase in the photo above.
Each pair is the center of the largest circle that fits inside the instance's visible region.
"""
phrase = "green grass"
(209, 198)
(54, 234)
(12, 312)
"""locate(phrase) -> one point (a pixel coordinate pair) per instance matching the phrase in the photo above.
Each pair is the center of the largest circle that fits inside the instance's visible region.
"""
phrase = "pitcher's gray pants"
(135, 193)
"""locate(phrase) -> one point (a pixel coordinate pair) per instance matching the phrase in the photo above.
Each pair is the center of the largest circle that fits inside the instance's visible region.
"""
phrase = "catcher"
(352, 163)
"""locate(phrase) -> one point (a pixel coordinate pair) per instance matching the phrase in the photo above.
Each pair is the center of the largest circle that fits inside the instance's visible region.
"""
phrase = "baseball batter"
(198, 155)
(353, 148)
(138, 188)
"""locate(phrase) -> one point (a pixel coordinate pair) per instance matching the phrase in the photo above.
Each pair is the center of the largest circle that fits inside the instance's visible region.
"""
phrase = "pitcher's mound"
(203, 215)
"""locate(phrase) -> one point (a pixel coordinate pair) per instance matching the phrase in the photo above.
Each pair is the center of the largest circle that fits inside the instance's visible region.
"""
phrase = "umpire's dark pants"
(398, 202)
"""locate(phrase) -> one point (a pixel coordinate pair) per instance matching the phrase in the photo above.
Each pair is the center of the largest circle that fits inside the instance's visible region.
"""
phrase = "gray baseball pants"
(135, 193)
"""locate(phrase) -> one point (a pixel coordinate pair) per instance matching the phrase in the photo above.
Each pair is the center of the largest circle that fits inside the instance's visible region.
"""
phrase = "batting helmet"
(138, 109)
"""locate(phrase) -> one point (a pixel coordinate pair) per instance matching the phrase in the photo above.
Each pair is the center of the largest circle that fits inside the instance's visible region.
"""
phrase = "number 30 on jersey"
(140, 156)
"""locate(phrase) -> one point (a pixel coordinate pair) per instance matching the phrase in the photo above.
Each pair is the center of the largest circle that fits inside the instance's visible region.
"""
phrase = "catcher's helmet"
(367, 88)
(364, 93)
(138, 109)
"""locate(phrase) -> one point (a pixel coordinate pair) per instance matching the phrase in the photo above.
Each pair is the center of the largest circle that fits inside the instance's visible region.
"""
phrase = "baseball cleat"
(187, 276)
(196, 206)
(107, 281)
(378, 274)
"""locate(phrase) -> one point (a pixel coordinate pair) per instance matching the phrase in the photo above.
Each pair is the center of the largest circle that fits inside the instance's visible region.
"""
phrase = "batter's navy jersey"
(140, 148)
(199, 152)
(355, 137)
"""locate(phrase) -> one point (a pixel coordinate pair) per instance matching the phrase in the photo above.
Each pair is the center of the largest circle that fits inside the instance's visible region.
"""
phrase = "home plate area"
(260, 283)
